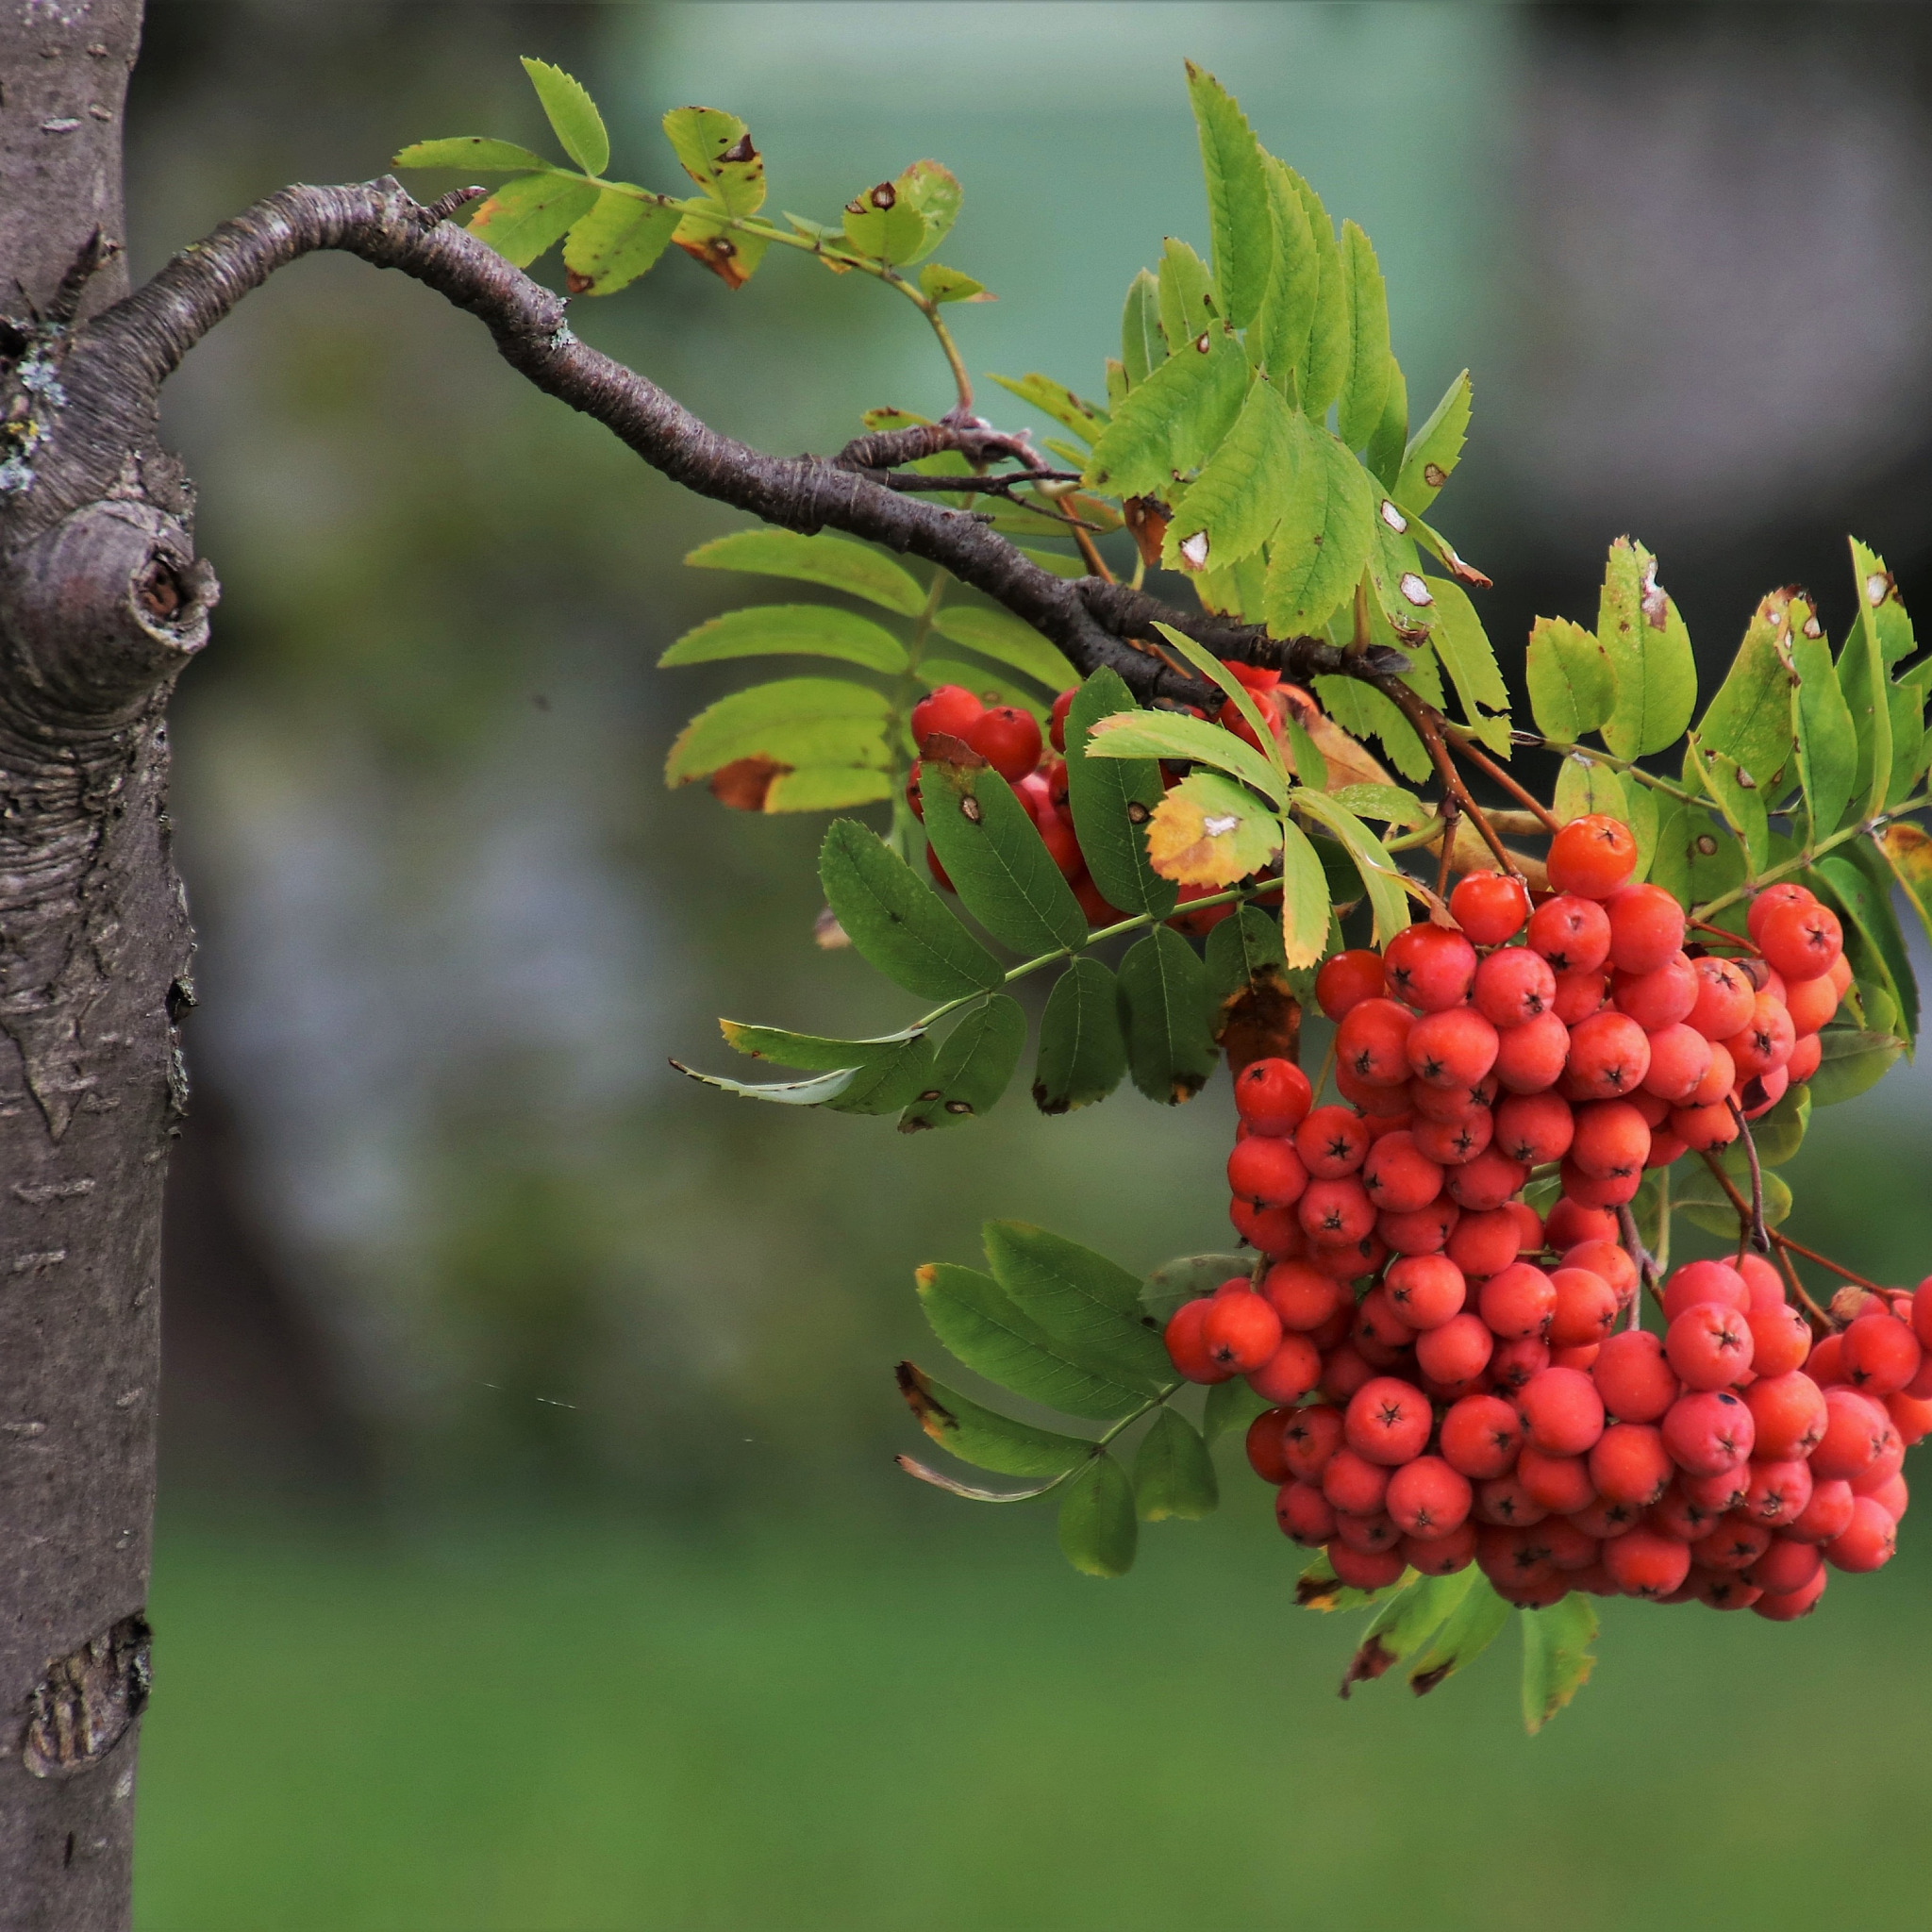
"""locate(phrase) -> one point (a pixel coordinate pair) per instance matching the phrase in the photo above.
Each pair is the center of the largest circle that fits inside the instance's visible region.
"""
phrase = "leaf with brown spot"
(984, 1438)
(1404, 1620)
(743, 783)
(1209, 831)
(1146, 518)
(1472, 1627)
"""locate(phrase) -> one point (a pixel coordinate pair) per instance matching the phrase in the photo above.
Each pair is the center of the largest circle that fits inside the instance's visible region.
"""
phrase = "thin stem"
(1425, 721)
(1328, 1069)
(1761, 1239)
(1723, 932)
(1447, 815)
(1648, 1270)
(1459, 738)
(1821, 1324)
(1836, 1268)
(1865, 828)
(1567, 747)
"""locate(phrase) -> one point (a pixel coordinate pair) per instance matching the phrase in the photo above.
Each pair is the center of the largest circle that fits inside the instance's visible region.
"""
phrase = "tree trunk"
(100, 606)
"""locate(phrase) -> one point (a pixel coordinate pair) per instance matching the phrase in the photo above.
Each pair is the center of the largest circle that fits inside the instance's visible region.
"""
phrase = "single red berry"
(1422, 1230)
(1272, 1096)
(1503, 1501)
(1337, 1211)
(1481, 1436)
(948, 709)
(1485, 1182)
(1659, 998)
(1787, 1565)
(1513, 986)
(1388, 1421)
(1645, 1563)
(1490, 907)
(1855, 1433)
(1709, 1432)
(1454, 1142)
(1397, 1177)
(1881, 1353)
(1597, 1191)
(1767, 902)
(1704, 1129)
(1332, 1141)
(1348, 979)
(1289, 1374)
(1611, 1139)
(1869, 1541)
(1303, 1297)
(1352, 1482)
(1455, 1351)
(1609, 1262)
(1704, 1281)
(1518, 1301)
(1427, 1498)
(1725, 998)
(1610, 1055)
(1679, 1058)
(1007, 738)
(1646, 928)
(1562, 1411)
(1427, 1289)
(1305, 1513)
(1731, 1544)
(1632, 1376)
(1780, 1339)
(1800, 1603)
(1187, 1347)
(1530, 1057)
(1586, 1310)
(1266, 1172)
(1057, 728)
(1440, 1556)
(1484, 1243)
(1827, 1514)
(1802, 942)
(1310, 1438)
(1242, 1331)
(1579, 995)
(1372, 1042)
(1811, 1004)
(1263, 1446)
(1778, 1492)
(1387, 1103)
(1629, 1464)
(1592, 855)
(1710, 1346)
(1560, 1483)
(1911, 1415)
(1572, 933)
(1451, 1049)
(1429, 966)
(1365, 1570)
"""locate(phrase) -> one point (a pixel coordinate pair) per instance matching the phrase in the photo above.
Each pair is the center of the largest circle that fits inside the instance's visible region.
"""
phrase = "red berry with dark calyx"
(1646, 928)
(1628, 1463)
(1372, 1042)
(1427, 1498)
(1586, 1310)
(1267, 1172)
(1056, 731)
(1591, 857)
(1272, 1096)
(1513, 986)
(949, 710)
(1710, 1346)
(1452, 1049)
(1398, 1177)
(1346, 980)
(1242, 1331)
(1490, 907)
(1869, 1541)
(1562, 1411)
(1659, 998)
(1305, 1513)
(1362, 1569)
(1455, 1352)
(1007, 738)
(1187, 1346)
(1352, 1483)
(1440, 1556)
(1310, 1438)
(1880, 1354)
(1801, 943)
(1646, 1564)
(1572, 933)
(1429, 967)
(1788, 1414)
(1388, 1421)
(1332, 1141)
(1709, 1432)
(1289, 1372)
(1631, 1373)
(1610, 1055)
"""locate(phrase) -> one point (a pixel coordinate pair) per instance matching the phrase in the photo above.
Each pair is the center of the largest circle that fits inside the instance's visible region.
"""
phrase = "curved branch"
(119, 360)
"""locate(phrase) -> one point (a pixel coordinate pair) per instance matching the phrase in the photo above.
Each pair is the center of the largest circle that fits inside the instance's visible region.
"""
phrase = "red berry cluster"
(1450, 1374)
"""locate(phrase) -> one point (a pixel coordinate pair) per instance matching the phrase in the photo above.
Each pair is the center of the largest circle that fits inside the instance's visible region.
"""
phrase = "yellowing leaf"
(1209, 831)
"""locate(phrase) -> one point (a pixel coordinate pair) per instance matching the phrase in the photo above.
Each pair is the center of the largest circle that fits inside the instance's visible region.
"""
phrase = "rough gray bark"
(96, 619)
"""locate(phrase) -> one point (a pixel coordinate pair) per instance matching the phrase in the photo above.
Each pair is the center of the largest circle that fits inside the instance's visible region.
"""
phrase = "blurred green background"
(531, 1552)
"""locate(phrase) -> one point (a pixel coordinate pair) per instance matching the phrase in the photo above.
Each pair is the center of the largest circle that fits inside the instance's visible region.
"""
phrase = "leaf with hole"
(1649, 653)
(1082, 1054)
(1209, 831)
(972, 1069)
(897, 922)
(1233, 507)
(993, 853)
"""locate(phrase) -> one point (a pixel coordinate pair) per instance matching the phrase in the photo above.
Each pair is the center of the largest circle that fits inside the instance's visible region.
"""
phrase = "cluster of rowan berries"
(1453, 1378)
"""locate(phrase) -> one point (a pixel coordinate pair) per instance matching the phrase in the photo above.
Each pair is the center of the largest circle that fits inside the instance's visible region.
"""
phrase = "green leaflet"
(1143, 347)
(812, 1051)
(526, 217)
(1245, 959)
(934, 190)
(1827, 739)
(1401, 1624)
(975, 1318)
(1056, 400)
(1175, 735)
(1185, 291)
(715, 150)
(1466, 652)
(572, 116)
(816, 630)
(1209, 831)
(792, 721)
(1241, 234)
(991, 851)
(1473, 1624)
(1585, 786)
(1649, 652)
(972, 1069)
(1363, 711)
(1175, 419)
(1780, 1133)
(1571, 685)
(1174, 1475)
(1278, 340)
(1113, 800)
(474, 152)
(1097, 1527)
(1233, 504)
(1232, 690)
(1876, 946)
(1189, 1276)
(1230, 1408)
(1001, 636)
(1434, 449)
(948, 285)
(1702, 1202)
(1389, 803)
(837, 562)
(618, 240)
(1235, 592)
(1082, 1054)
(1853, 1063)
(1378, 872)
(1749, 720)
(1322, 542)
(984, 1438)
(1166, 1017)
(1642, 805)
(883, 1086)
(1324, 366)
(1319, 1588)
(1863, 676)
(1557, 1659)
(1370, 365)
(883, 223)
(897, 922)
(1305, 901)
(1081, 1298)
(1742, 804)
(1387, 445)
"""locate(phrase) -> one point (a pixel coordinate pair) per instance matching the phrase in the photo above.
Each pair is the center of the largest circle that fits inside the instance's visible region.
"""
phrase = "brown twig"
(1784, 1241)
(1646, 1262)
(1448, 813)
(1482, 762)
(1821, 1324)
(1760, 1238)
(1426, 722)
(1724, 933)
